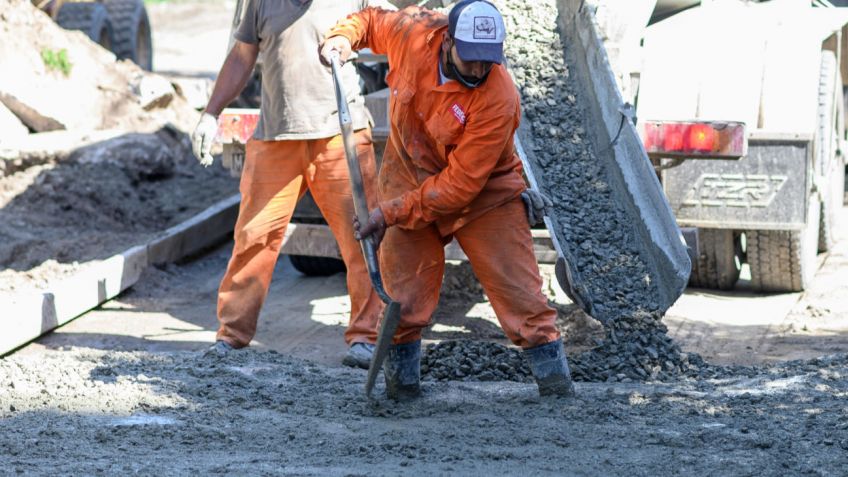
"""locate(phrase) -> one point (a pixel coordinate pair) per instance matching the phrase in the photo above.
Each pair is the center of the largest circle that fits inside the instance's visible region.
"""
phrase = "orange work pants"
(500, 248)
(276, 174)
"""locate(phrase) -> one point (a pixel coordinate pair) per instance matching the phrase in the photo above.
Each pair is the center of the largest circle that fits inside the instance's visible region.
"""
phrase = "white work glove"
(338, 44)
(537, 205)
(202, 137)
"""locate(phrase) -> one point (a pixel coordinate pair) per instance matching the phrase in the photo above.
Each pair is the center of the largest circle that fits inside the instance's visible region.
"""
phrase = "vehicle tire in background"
(131, 36)
(719, 260)
(317, 266)
(828, 164)
(90, 18)
(784, 260)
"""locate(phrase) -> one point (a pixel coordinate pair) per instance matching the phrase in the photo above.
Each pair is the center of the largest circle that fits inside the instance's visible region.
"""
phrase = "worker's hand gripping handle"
(360, 205)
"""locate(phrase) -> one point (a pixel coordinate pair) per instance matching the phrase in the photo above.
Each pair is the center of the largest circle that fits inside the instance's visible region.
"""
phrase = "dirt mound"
(59, 79)
(62, 203)
(102, 200)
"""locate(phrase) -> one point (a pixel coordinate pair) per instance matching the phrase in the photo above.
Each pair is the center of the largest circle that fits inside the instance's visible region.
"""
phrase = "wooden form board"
(26, 316)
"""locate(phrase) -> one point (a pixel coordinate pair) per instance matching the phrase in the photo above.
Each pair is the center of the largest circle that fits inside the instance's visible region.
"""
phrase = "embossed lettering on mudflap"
(734, 190)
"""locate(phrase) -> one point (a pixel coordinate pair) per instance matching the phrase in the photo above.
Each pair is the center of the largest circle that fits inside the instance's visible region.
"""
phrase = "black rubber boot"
(402, 369)
(550, 368)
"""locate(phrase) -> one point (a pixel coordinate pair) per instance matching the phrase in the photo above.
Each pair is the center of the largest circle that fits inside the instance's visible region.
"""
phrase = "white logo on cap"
(484, 28)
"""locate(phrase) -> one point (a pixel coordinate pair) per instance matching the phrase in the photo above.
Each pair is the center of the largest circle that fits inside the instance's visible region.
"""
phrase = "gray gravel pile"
(473, 361)
(632, 356)
(639, 350)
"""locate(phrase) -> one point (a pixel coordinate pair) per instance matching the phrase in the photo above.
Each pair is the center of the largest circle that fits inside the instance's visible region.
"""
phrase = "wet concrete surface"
(262, 413)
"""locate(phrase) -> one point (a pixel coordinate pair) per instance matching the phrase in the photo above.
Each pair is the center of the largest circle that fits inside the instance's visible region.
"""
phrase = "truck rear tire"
(131, 36)
(317, 266)
(784, 260)
(829, 123)
(830, 212)
(719, 260)
(90, 18)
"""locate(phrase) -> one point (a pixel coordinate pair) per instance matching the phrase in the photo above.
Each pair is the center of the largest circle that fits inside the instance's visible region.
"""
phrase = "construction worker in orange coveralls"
(450, 170)
(296, 145)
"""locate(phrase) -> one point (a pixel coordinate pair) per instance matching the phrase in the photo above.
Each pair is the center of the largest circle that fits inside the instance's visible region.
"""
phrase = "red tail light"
(697, 139)
(701, 138)
(236, 125)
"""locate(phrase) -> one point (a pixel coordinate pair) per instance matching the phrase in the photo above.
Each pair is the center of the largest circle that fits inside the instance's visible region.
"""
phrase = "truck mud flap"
(628, 170)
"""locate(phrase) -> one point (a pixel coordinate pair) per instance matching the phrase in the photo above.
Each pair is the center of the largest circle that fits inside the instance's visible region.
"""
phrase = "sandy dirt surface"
(131, 378)
(190, 38)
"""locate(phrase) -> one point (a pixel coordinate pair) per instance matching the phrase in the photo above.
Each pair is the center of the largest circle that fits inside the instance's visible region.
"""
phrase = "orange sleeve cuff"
(395, 211)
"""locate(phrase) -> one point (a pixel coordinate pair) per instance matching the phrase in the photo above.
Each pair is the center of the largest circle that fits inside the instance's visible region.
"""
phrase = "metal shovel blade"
(388, 326)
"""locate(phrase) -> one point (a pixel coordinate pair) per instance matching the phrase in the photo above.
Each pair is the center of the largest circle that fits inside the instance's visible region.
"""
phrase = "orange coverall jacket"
(450, 156)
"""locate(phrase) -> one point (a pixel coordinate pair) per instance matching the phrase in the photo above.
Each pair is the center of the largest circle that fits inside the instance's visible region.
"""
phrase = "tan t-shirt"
(298, 98)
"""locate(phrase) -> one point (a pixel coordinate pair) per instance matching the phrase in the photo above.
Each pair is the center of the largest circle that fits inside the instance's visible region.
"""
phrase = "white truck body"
(729, 60)
(776, 67)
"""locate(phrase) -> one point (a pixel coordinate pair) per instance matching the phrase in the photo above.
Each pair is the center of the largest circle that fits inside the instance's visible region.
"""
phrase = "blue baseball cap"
(477, 28)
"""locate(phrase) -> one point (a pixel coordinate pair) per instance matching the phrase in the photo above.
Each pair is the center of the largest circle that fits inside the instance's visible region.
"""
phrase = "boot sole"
(352, 362)
(556, 387)
(404, 393)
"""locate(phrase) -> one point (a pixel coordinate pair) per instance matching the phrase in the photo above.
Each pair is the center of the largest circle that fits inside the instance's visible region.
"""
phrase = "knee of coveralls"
(271, 183)
(413, 263)
(499, 246)
(328, 177)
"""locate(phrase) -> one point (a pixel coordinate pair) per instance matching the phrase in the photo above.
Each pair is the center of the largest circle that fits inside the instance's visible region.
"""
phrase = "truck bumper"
(768, 189)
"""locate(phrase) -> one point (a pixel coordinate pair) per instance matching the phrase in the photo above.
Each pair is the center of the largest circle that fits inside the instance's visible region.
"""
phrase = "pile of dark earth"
(105, 196)
(637, 346)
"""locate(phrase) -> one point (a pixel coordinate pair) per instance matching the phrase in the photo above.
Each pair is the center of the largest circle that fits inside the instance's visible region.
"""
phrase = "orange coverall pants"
(276, 174)
(499, 247)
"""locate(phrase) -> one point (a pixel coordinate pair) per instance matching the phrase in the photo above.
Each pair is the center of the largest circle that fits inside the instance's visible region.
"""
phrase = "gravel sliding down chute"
(620, 250)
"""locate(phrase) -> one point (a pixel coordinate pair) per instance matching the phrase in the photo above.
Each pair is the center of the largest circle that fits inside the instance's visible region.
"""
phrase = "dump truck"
(740, 106)
(120, 26)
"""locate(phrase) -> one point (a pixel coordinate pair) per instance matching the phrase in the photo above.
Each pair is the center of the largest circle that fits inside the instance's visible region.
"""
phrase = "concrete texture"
(261, 413)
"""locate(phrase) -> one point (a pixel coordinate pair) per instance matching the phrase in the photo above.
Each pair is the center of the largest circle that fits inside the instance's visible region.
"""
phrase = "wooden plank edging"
(26, 316)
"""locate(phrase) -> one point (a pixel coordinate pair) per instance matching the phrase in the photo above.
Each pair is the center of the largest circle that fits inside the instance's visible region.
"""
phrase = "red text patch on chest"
(458, 113)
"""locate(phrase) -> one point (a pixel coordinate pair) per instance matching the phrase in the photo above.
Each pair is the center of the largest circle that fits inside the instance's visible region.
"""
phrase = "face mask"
(466, 81)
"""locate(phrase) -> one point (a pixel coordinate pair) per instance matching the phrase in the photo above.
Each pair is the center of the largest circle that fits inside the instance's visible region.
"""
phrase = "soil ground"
(126, 389)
